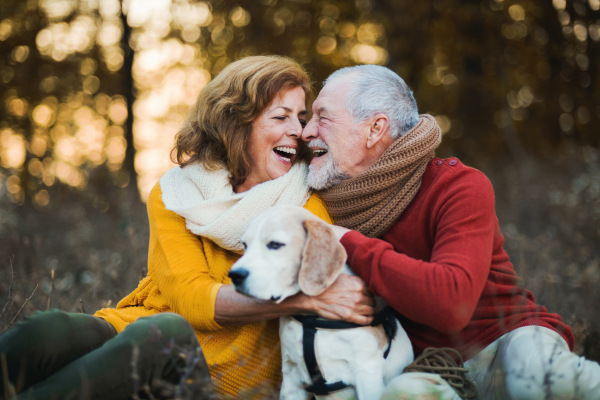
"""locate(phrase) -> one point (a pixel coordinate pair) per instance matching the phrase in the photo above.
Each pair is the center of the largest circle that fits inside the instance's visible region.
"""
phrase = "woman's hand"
(346, 299)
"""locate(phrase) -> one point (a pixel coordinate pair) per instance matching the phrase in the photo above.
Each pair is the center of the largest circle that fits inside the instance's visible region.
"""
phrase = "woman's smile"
(285, 154)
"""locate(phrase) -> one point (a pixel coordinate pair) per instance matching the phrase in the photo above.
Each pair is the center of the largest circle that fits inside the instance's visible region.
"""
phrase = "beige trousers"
(529, 363)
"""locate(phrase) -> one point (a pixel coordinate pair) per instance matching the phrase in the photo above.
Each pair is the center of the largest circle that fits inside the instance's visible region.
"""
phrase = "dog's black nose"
(238, 275)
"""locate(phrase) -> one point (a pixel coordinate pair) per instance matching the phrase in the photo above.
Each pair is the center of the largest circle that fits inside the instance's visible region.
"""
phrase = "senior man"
(423, 234)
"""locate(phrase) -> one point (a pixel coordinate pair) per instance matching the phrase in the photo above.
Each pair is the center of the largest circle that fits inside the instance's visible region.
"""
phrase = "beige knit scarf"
(373, 201)
(211, 209)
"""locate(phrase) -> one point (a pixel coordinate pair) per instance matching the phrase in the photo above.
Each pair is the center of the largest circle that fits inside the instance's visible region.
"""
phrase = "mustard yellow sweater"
(185, 272)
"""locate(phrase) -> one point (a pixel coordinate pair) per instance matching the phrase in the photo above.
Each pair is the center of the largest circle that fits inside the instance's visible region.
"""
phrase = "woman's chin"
(280, 167)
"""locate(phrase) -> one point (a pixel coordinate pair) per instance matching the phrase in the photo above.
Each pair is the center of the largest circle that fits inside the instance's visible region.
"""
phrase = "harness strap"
(310, 324)
(309, 332)
(322, 323)
(322, 388)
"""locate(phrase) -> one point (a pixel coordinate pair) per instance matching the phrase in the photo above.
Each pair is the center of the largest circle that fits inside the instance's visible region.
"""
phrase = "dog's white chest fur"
(353, 356)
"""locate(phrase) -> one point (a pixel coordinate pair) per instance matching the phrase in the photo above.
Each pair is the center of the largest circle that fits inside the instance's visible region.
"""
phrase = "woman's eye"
(274, 245)
(280, 118)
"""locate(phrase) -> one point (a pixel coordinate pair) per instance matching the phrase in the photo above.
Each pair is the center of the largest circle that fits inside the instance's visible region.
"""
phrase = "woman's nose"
(295, 130)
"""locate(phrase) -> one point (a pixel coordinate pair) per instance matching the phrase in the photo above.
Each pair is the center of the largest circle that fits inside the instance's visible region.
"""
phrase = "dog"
(288, 250)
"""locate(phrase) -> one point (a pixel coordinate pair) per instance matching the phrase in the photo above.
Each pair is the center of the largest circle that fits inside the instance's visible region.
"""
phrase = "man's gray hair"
(375, 89)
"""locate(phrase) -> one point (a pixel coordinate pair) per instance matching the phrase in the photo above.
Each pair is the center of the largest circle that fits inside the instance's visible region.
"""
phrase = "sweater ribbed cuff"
(352, 242)
(213, 301)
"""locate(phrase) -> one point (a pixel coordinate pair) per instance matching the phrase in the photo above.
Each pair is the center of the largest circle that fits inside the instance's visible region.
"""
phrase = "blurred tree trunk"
(128, 92)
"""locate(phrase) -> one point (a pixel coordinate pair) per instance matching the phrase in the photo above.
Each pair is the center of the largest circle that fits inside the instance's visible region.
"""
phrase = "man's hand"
(346, 299)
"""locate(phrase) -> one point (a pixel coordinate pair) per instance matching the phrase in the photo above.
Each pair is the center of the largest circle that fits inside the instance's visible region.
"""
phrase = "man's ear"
(322, 258)
(378, 128)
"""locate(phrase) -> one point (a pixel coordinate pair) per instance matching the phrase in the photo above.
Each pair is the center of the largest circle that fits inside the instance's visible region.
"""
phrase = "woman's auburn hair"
(217, 130)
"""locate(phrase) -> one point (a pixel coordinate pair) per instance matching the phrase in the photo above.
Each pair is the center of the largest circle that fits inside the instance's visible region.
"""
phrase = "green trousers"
(59, 355)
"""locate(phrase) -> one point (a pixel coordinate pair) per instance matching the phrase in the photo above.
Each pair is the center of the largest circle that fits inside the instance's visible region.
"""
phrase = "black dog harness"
(310, 325)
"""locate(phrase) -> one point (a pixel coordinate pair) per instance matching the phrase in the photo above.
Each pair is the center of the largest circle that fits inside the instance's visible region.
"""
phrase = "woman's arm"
(182, 274)
(346, 299)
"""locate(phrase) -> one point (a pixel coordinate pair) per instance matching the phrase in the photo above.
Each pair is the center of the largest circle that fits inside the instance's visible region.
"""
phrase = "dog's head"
(288, 250)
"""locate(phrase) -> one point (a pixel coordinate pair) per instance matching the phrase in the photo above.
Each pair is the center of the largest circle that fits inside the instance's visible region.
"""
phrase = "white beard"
(326, 176)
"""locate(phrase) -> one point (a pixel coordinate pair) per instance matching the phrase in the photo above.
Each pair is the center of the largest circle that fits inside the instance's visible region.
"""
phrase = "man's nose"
(310, 131)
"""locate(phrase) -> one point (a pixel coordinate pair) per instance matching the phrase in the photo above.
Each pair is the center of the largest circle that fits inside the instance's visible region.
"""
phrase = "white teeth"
(289, 150)
(286, 159)
(319, 152)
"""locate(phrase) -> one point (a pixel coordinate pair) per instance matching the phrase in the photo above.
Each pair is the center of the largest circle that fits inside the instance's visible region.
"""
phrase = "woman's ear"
(322, 258)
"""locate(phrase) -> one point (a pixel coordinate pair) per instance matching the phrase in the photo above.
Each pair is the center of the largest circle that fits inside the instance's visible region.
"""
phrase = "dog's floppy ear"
(322, 258)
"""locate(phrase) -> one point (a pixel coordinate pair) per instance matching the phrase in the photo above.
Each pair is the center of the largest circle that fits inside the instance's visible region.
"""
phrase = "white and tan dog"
(289, 250)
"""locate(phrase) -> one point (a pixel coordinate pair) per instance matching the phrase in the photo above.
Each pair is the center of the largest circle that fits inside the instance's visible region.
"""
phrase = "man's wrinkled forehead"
(332, 97)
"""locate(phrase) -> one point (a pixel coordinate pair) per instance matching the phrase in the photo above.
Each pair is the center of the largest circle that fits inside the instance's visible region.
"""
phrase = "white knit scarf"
(212, 209)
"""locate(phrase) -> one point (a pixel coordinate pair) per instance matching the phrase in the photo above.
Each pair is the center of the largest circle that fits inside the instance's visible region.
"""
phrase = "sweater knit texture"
(371, 202)
(443, 267)
(211, 208)
(185, 272)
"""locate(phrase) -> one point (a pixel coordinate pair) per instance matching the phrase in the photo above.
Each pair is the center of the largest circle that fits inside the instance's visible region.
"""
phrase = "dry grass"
(550, 217)
(85, 250)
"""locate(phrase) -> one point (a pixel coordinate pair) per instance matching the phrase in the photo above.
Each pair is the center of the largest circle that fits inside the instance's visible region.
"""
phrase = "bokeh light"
(13, 147)
(105, 91)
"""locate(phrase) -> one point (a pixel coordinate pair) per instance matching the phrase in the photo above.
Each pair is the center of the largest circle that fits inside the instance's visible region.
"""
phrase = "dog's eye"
(274, 245)
(245, 246)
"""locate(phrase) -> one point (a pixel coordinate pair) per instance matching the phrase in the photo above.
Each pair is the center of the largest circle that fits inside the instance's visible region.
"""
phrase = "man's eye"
(274, 245)
(303, 123)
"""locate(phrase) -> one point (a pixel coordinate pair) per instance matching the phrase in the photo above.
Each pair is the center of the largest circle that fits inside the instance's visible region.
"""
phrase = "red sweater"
(442, 266)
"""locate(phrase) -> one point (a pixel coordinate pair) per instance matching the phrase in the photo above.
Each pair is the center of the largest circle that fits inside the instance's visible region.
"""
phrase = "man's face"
(336, 141)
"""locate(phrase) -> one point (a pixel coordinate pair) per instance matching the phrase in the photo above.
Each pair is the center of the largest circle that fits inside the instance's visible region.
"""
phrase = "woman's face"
(275, 137)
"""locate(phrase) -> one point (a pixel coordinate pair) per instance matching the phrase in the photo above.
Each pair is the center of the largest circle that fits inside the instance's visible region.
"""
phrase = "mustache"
(318, 143)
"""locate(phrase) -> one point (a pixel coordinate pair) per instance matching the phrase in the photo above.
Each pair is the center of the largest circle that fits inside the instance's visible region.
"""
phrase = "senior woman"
(239, 153)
